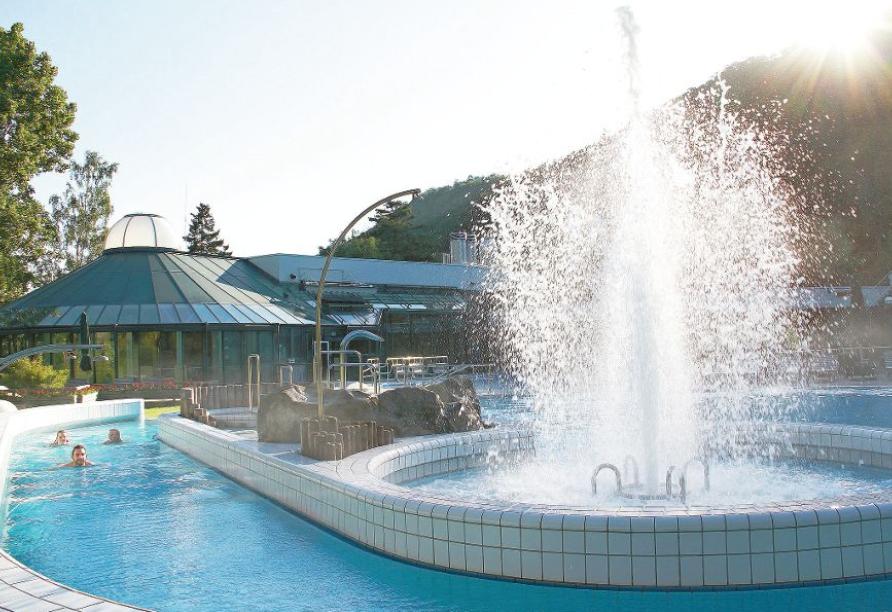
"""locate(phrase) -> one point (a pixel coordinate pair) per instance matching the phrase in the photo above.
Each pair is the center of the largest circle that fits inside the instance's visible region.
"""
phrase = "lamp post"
(317, 357)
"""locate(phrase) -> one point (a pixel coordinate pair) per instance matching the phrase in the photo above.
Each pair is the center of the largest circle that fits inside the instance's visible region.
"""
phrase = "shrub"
(33, 374)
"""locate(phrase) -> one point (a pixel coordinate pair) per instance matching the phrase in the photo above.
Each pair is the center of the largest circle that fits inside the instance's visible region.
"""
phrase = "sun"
(841, 28)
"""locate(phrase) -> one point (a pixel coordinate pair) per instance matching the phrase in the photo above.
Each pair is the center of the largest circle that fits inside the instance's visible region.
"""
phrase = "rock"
(280, 414)
(461, 405)
(450, 406)
(410, 411)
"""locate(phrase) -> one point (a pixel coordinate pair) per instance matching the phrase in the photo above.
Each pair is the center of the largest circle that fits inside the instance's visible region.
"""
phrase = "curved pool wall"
(23, 588)
(745, 546)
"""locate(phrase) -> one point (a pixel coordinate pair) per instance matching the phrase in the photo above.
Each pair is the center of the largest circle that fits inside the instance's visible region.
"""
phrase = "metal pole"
(317, 357)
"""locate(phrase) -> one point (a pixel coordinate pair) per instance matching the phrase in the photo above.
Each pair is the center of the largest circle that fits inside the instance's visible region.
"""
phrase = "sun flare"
(842, 28)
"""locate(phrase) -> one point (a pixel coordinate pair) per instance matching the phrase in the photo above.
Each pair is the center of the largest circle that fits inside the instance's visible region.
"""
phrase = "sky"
(290, 117)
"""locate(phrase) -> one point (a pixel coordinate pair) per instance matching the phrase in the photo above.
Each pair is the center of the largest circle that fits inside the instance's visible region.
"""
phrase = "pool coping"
(800, 543)
(21, 587)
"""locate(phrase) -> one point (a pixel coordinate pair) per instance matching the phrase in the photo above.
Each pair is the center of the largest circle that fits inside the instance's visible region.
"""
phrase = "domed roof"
(142, 231)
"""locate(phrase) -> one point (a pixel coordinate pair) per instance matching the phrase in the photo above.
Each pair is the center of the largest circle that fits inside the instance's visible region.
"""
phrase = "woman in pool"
(114, 437)
(78, 457)
(61, 438)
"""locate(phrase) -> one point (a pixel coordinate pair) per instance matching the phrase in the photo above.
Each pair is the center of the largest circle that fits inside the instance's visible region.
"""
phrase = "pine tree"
(203, 237)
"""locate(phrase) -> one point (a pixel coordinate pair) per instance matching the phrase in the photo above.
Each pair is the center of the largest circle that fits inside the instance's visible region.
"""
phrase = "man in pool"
(61, 438)
(114, 437)
(78, 457)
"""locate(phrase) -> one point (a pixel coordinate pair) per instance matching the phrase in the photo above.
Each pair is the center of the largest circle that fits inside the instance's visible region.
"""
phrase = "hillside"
(828, 119)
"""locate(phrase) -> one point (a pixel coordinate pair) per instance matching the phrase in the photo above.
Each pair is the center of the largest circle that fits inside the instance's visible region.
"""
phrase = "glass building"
(163, 314)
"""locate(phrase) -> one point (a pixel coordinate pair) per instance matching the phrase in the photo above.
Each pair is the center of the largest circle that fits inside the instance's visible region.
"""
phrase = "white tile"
(553, 566)
(873, 559)
(492, 535)
(441, 553)
(510, 537)
(715, 570)
(596, 569)
(574, 568)
(784, 540)
(531, 564)
(761, 541)
(809, 562)
(530, 539)
(691, 570)
(492, 560)
(596, 542)
(574, 542)
(828, 535)
(511, 563)
(871, 532)
(831, 563)
(426, 550)
(644, 572)
(786, 567)
(667, 571)
(852, 561)
(619, 543)
(850, 533)
(473, 533)
(620, 570)
(690, 543)
(714, 543)
(456, 555)
(473, 558)
(763, 568)
(739, 569)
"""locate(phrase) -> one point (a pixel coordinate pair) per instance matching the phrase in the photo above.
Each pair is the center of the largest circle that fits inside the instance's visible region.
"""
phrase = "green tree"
(35, 136)
(35, 114)
(32, 373)
(26, 234)
(80, 215)
(203, 237)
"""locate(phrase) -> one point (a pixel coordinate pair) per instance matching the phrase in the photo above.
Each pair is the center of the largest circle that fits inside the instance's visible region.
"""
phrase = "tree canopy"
(35, 136)
(80, 215)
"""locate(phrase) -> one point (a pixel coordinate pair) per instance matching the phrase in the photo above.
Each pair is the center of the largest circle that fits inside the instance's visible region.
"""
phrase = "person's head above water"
(114, 437)
(61, 438)
(78, 456)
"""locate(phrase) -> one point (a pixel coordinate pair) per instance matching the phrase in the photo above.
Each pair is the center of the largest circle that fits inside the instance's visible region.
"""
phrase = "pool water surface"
(148, 526)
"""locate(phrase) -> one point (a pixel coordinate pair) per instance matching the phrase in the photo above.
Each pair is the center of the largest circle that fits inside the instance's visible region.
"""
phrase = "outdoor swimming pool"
(151, 527)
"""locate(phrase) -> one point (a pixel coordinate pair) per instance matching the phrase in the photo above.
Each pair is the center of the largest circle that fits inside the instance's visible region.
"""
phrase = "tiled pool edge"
(744, 547)
(20, 586)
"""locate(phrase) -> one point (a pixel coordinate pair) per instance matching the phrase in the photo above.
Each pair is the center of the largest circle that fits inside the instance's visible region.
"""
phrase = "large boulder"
(450, 406)
(280, 414)
(460, 402)
(410, 411)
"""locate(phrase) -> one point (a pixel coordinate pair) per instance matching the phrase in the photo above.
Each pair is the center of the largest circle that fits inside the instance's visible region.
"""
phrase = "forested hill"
(422, 235)
(830, 118)
(833, 123)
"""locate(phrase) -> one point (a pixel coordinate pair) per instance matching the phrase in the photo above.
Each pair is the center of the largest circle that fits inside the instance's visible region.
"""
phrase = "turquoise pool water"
(149, 526)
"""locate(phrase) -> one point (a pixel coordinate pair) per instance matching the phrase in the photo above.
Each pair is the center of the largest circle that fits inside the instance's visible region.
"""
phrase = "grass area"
(154, 413)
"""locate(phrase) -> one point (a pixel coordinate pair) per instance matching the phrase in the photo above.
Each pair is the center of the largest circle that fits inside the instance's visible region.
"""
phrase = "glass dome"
(141, 230)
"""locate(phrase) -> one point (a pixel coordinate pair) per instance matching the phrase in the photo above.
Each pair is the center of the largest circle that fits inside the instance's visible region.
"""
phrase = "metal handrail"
(612, 468)
(255, 361)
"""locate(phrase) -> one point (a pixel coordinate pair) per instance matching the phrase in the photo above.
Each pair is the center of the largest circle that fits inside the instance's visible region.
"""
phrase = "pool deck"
(21, 588)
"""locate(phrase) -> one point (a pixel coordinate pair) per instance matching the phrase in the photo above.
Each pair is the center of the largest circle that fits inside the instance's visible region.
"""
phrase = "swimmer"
(114, 437)
(78, 457)
(61, 438)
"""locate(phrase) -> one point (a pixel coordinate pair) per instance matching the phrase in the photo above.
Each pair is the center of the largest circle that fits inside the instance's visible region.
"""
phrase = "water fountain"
(660, 262)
